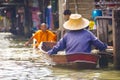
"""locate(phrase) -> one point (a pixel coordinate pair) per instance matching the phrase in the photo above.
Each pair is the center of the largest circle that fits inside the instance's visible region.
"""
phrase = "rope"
(76, 6)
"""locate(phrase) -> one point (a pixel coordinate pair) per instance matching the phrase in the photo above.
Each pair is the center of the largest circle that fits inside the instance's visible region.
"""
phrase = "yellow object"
(91, 25)
(1, 18)
(40, 36)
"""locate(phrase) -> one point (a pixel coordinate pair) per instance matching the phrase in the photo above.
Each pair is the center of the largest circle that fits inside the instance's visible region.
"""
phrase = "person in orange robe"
(42, 35)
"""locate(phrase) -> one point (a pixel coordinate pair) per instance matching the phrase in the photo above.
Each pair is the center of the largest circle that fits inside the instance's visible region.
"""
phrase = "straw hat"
(76, 22)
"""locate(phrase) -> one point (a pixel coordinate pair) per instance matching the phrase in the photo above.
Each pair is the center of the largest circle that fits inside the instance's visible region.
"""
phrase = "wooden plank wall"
(104, 27)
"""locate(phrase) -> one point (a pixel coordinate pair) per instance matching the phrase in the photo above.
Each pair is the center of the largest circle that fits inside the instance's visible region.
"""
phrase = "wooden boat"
(77, 60)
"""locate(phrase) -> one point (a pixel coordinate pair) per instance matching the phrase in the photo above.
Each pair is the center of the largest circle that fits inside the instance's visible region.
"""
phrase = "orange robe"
(44, 36)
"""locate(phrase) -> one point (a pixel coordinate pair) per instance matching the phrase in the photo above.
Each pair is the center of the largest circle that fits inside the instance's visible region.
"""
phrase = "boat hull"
(78, 60)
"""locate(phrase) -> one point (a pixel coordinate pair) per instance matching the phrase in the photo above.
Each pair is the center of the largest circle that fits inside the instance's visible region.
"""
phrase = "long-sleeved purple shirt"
(77, 42)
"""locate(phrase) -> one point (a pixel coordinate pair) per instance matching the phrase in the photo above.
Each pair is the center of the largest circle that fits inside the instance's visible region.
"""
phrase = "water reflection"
(23, 63)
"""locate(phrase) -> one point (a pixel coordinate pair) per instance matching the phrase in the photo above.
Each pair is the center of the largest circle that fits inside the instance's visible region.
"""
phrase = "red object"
(81, 57)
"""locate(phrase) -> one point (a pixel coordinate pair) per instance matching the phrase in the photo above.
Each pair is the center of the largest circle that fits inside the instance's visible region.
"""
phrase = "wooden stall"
(108, 30)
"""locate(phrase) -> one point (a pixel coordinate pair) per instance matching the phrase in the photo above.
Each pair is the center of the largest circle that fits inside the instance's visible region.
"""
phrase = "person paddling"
(78, 39)
(42, 35)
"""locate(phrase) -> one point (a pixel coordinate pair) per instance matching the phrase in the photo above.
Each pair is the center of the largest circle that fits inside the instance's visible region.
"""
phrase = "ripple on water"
(21, 69)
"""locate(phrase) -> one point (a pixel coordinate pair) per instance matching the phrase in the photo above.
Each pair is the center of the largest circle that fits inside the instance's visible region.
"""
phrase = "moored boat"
(77, 60)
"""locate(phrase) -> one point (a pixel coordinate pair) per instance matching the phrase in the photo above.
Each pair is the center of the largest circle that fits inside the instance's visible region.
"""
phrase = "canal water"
(24, 63)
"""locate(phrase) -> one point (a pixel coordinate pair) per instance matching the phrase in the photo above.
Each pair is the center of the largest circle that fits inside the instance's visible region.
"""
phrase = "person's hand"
(109, 47)
(27, 43)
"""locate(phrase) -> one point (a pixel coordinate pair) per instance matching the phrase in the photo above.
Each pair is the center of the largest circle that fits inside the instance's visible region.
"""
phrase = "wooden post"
(61, 16)
(28, 18)
(116, 38)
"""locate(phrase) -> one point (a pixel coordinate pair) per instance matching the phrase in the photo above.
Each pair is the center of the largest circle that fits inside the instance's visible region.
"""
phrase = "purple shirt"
(77, 42)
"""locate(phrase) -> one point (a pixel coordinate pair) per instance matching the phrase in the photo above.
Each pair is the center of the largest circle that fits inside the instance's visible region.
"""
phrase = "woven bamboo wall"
(84, 7)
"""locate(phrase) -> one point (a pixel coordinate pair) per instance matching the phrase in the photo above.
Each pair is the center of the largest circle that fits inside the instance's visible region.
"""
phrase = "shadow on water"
(23, 63)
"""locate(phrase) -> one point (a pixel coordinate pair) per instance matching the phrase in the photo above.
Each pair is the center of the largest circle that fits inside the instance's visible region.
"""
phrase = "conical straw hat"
(76, 22)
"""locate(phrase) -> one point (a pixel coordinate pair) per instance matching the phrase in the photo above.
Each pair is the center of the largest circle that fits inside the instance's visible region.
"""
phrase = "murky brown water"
(23, 63)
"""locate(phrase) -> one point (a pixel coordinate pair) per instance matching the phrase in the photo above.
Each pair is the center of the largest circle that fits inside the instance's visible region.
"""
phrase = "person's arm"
(61, 45)
(31, 39)
(100, 45)
(97, 43)
(28, 42)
